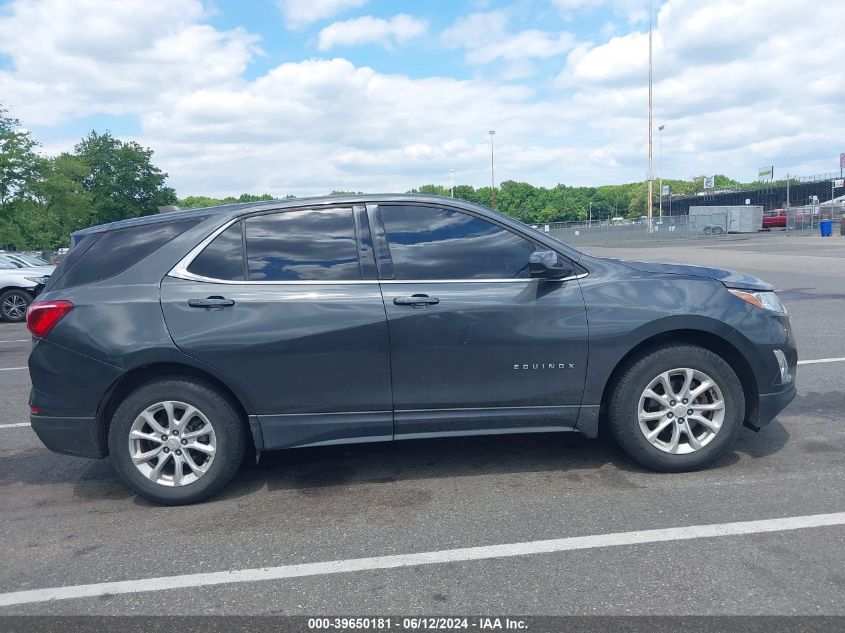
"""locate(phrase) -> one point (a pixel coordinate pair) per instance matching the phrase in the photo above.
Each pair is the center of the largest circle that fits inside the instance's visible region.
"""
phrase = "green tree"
(122, 180)
(638, 202)
(19, 169)
(63, 205)
(18, 160)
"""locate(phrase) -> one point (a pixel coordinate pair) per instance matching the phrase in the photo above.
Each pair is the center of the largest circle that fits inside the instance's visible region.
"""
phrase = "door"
(476, 344)
(286, 305)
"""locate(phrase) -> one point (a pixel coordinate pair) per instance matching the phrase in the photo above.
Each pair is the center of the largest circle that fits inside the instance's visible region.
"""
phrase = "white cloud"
(632, 10)
(316, 125)
(75, 59)
(368, 29)
(299, 13)
(734, 80)
(486, 39)
(738, 84)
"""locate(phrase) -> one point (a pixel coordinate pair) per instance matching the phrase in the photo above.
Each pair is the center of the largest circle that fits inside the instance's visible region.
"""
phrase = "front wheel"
(176, 441)
(676, 409)
(13, 305)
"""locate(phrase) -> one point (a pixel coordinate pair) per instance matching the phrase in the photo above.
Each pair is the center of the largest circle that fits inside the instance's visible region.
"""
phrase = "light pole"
(660, 165)
(649, 203)
(492, 174)
(451, 184)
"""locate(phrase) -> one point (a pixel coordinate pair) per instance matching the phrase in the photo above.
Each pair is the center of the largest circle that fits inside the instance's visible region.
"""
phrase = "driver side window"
(431, 243)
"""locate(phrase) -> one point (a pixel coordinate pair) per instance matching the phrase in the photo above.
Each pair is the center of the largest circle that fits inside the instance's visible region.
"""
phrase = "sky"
(308, 96)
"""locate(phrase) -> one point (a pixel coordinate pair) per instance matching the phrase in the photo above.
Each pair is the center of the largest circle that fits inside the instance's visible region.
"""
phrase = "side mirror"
(548, 265)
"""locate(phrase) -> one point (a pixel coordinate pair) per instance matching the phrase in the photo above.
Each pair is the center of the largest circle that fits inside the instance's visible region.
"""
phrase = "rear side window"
(223, 258)
(103, 255)
(309, 245)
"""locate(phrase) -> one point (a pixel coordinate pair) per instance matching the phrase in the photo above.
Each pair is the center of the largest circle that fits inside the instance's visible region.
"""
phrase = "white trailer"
(716, 220)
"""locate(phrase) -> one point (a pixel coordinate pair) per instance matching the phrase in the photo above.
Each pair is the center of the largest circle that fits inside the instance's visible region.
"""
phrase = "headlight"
(38, 280)
(767, 300)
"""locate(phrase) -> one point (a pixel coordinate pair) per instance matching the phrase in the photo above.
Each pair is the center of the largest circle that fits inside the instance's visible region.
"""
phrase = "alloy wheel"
(172, 443)
(14, 307)
(681, 411)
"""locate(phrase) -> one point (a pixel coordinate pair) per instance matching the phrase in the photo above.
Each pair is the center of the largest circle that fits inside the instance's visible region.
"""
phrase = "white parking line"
(17, 340)
(14, 425)
(12, 368)
(822, 360)
(421, 558)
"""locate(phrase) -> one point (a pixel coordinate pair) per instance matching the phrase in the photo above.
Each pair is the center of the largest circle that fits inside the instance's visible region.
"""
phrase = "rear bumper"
(69, 436)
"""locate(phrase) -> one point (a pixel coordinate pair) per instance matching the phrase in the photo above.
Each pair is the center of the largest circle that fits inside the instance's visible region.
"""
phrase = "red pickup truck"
(774, 219)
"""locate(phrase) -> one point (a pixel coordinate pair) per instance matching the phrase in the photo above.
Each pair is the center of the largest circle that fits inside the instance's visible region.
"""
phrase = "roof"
(238, 209)
(228, 211)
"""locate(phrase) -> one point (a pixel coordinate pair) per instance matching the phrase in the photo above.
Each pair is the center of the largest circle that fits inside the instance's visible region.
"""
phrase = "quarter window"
(437, 243)
(97, 256)
(223, 258)
(309, 245)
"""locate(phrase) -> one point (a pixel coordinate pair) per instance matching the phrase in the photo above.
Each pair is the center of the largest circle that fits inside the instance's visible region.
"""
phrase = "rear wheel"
(13, 305)
(176, 441)
(677, 408)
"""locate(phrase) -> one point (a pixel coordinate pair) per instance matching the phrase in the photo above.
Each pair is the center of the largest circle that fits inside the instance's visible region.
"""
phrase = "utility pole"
(591, 214)
(492, 175)
(660, 165)
(787, 194)
(650, 108)
(451, 183)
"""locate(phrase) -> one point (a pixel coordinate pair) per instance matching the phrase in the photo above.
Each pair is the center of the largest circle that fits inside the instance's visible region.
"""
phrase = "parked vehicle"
(720, 219)
(774, 219)
(179, 342)
(25, 259)
(19, 285)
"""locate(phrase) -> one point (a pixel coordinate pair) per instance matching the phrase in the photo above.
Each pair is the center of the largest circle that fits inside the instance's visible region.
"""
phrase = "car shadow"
(574, 458)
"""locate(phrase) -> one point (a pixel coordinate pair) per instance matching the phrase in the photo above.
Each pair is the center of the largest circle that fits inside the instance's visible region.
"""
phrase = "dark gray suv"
(177, 342)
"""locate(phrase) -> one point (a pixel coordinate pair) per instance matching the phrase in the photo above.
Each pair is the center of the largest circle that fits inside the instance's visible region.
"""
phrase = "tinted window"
(223, 258)
(434, 243)
(315, 245)
(103, 255)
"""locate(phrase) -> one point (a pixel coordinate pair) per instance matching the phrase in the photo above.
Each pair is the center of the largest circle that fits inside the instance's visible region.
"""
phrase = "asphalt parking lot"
(67, 522)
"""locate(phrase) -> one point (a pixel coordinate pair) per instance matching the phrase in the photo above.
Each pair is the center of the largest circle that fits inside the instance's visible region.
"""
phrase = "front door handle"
(416, 300)
(211, 302)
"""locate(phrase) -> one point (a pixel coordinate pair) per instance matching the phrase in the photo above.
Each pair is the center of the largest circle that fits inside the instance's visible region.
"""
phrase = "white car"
(19, 284)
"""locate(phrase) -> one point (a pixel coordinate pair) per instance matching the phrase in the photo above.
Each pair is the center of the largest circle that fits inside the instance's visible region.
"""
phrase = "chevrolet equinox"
(175, 343)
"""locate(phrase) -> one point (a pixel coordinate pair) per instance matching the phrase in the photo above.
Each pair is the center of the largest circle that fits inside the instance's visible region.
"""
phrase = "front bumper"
(69, 436)
(773, 403)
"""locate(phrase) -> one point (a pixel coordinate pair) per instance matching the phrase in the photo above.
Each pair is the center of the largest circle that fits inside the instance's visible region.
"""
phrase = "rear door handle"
(211, 302)
(415, 300)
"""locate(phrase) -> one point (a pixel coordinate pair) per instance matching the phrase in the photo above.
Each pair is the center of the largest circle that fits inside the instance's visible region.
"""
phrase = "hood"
(37, 270)
(43, 270)
(730, 278)
(20, 277)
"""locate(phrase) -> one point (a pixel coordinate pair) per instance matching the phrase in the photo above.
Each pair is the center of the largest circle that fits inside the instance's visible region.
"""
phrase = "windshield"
(6, 263)
(32, 260)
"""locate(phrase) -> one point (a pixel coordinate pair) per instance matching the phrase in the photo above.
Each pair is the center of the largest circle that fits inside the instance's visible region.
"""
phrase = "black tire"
(229, 431)
(13, 305)
(625, 399)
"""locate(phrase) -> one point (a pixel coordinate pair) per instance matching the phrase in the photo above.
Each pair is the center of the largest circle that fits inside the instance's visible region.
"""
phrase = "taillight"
(42, 316)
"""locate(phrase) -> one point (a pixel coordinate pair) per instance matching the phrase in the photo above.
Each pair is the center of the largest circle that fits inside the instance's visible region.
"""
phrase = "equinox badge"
(530, 366)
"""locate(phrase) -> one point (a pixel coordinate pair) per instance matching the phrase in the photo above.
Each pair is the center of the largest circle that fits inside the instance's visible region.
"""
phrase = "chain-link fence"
(806, 219)
(631, 232)
(712, 226)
